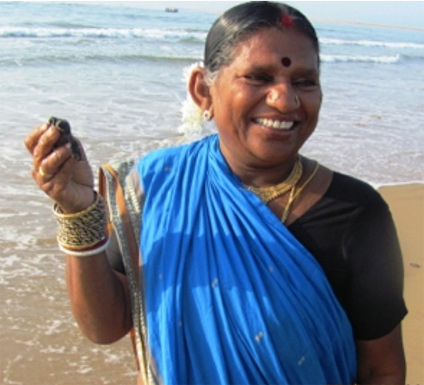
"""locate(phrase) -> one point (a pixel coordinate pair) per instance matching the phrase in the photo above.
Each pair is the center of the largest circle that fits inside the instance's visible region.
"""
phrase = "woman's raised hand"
(69, 182)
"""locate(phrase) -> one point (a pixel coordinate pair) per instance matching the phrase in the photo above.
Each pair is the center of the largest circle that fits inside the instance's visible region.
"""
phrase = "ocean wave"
(40, 59)
(103, 33)
(361, 59)
(373, 43)
(96, 58)
(183, 35)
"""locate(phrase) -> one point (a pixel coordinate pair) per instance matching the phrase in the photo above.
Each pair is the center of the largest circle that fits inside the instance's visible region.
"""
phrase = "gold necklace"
(294, 195)
(267, 194)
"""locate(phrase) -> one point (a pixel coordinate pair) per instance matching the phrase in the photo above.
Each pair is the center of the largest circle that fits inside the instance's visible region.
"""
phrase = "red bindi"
(287, 21)
(286, 61)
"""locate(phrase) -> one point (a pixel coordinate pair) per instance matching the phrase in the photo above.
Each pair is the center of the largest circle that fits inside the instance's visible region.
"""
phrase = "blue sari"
(230, 296)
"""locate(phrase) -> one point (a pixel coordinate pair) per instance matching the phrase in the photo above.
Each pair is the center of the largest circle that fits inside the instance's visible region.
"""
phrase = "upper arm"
(375, 291)
(376, 303)
(382, 360)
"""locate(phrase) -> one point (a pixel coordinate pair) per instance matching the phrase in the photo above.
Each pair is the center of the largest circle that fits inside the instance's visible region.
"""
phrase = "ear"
(199, 90)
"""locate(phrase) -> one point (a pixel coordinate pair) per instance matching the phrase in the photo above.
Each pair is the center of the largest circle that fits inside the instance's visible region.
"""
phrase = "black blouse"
(351, 233)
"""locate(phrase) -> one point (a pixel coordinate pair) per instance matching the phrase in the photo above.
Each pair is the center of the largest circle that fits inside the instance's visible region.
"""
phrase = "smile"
(277, 124)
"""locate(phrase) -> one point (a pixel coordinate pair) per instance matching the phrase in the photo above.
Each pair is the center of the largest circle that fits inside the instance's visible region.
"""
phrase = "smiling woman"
(235, 259)
(264, 111)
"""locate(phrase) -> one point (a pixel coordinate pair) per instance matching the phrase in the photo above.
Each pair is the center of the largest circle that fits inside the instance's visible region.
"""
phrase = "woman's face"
(266, 101)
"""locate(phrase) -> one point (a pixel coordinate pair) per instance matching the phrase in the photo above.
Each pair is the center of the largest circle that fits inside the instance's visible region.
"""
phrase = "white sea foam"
(100, 33)
(372, 43)
(360, 59)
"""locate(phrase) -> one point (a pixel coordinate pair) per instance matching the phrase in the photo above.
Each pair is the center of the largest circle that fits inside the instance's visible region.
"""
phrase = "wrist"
(85, 232)
(85, 201)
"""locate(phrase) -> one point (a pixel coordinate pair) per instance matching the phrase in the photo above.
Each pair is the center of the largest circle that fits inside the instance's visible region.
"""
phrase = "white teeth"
(279, 125)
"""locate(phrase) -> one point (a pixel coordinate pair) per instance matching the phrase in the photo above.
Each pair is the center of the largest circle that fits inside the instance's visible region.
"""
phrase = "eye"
(306, 83)
(258, 78)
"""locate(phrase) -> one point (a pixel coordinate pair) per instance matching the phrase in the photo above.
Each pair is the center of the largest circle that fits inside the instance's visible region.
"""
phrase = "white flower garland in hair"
(191, 112)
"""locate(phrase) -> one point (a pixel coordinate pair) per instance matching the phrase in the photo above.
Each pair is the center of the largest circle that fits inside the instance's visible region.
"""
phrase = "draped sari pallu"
(226, 295)
(230, 296)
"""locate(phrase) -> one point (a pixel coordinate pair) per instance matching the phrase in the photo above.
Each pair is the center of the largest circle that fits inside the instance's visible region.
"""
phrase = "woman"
(257, 265)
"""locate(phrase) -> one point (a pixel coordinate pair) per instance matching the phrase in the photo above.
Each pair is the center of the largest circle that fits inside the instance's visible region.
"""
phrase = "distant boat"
(172, 10)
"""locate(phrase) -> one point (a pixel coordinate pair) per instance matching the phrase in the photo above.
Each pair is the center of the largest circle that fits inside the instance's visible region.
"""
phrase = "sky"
(393, 13)
(390, 13)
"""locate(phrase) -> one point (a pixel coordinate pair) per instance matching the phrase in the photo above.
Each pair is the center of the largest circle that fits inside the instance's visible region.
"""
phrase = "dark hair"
(243, 20)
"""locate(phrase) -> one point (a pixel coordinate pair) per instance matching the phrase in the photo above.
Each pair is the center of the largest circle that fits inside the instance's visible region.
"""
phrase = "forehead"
(270, 46)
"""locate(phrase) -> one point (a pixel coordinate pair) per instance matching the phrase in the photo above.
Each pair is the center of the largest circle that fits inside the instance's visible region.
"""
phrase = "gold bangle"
(82, 230)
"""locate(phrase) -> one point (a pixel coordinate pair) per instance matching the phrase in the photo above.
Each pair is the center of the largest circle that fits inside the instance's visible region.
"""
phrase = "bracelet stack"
(84, 233)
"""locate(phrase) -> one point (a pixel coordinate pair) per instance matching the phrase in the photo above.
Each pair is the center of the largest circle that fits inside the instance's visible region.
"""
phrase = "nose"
(283, 97)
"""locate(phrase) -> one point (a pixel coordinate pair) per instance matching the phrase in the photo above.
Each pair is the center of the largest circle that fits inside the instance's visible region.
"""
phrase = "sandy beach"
(407, 205)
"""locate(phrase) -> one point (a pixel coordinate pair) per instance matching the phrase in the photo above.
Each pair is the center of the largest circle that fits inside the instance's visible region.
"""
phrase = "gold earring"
(207, 115)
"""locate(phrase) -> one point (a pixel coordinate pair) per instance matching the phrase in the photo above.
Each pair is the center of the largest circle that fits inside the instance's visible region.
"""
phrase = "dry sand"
(407, 205)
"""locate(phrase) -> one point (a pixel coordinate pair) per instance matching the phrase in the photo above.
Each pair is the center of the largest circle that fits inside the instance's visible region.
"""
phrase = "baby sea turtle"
(65, 136)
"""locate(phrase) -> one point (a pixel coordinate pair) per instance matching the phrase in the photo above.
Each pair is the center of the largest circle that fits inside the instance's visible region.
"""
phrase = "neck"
(265, 176)
(253, 171)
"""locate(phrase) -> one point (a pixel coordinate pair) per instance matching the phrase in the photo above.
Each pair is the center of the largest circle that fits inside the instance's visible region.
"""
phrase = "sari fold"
(230, 296)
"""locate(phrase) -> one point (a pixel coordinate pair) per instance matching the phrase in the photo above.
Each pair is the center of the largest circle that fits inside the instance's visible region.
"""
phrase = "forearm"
(99, 297)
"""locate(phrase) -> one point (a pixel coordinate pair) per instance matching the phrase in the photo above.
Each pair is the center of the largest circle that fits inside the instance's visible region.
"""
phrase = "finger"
(66, 150)
(58, 161)
(33, 137)
(49, 176)
(45, 144)
(47, 168)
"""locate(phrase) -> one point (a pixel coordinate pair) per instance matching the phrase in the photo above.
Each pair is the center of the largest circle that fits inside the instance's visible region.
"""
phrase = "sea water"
(116, 73)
